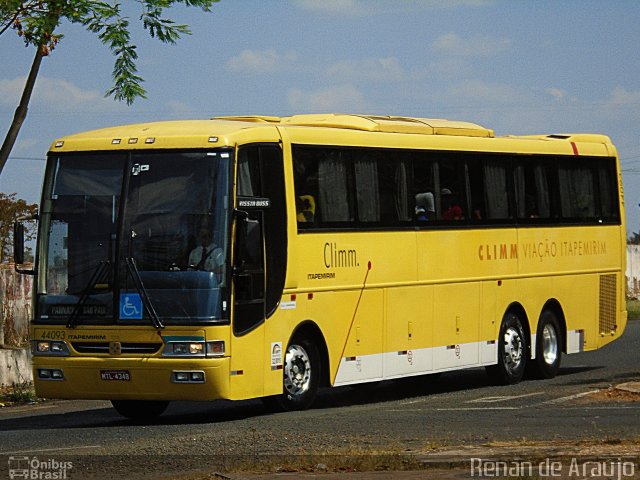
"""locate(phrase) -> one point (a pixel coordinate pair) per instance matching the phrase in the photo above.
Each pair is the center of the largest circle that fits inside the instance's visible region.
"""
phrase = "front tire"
(301, 377)
(548, 346)
(513, 351)
(140, 409)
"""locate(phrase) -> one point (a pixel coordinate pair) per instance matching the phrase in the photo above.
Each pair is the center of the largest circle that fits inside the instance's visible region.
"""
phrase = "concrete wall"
(15, 314)
(15, 366)
(633, 271)
(15, 306)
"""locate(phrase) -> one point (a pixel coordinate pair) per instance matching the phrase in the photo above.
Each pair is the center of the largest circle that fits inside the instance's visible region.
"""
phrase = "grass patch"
(20, 393)
(633, 309)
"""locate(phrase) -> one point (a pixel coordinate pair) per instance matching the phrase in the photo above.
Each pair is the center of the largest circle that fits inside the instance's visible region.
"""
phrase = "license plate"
(121, 375)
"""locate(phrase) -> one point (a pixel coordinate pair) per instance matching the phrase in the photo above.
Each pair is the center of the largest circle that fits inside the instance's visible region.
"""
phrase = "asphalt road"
(412, 417)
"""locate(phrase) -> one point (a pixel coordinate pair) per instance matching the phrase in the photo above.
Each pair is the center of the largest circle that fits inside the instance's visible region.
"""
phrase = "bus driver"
(206, 256)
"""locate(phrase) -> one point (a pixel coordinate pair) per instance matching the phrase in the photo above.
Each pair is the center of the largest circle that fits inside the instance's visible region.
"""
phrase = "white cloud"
(376, 7)
(55, 95)
(10, 91)
(556, 93)
(54, 91)
(448, 68)
(178, 107)
(341, 98)
(623, 104)
(481, 45)
(330, 6)
(260, 61)
(620, 96)
(386, 69)
(478, 91)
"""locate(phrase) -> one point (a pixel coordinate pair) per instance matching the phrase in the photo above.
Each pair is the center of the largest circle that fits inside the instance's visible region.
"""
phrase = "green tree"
(37, 22)
(12, 208)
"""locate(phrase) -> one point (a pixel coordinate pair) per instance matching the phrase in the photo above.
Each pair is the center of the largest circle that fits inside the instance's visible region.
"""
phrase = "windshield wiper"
(97, 273)
(137, 281)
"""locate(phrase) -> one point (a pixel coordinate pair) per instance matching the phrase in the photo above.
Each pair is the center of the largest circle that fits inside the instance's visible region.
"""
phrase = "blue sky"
(518, 67)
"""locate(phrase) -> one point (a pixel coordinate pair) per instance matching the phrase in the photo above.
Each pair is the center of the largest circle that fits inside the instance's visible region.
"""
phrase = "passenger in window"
(531, 210)
(305, 208)
(451, 210)
(206, 256)
(425, 207)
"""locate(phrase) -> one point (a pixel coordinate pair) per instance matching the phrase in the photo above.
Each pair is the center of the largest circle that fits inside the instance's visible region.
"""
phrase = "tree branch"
(21, 111)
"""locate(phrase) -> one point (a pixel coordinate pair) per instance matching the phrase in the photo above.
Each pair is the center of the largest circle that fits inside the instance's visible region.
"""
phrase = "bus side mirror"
(18, 247)
(18, 243)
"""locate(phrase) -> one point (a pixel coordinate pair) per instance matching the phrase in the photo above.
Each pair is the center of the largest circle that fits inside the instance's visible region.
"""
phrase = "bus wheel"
(512, 352)
(140, 409)
(301, 377)
(548, 346)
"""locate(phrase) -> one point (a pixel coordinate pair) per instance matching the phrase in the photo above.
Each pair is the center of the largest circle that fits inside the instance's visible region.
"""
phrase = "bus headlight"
(187, 348)
(214, 348)
(49, 347)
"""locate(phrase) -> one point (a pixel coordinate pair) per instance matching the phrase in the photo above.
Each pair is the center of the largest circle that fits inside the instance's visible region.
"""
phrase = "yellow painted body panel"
(438, 293)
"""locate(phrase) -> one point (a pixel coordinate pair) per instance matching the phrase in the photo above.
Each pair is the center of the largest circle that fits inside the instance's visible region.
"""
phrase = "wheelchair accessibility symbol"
(130, 306)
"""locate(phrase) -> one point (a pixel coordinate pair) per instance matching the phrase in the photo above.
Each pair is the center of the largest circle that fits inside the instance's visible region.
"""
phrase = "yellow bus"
(246, 257)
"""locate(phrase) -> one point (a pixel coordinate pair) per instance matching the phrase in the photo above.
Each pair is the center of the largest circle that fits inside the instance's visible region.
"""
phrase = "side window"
(333, 186)
(424, 189)
(577, 191)
(608, 187)
(351, 187)
(489, 188)
(495, 188)
(452, 204)
(533, 190)
(365, 165)
(321, 186)
(249, 184)
(381, 187)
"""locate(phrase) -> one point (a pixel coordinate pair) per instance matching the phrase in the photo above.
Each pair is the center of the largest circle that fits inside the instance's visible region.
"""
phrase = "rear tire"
(140, 409)
(301, 377)
(513, 351)
(548, 346)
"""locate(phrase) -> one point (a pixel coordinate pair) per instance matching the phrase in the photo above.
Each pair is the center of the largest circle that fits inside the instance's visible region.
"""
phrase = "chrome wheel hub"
(297, 370)
(513, 349)
(549, 344)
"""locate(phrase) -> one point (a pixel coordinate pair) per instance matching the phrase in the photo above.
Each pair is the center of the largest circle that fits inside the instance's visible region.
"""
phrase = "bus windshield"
(130, 236)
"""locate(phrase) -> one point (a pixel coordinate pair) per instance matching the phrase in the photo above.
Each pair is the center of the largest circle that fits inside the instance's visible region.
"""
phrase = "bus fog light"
(50, 374)
(187, 376)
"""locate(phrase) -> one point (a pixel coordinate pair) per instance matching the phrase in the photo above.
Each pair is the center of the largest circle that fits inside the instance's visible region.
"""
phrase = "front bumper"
(149, 378)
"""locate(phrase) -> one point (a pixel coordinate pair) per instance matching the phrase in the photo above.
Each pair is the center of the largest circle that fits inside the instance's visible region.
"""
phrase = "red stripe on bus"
(575, 148)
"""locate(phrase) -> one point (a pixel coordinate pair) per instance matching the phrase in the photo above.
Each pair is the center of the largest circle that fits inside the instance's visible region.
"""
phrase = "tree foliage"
(11, 209)
(38, 22)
